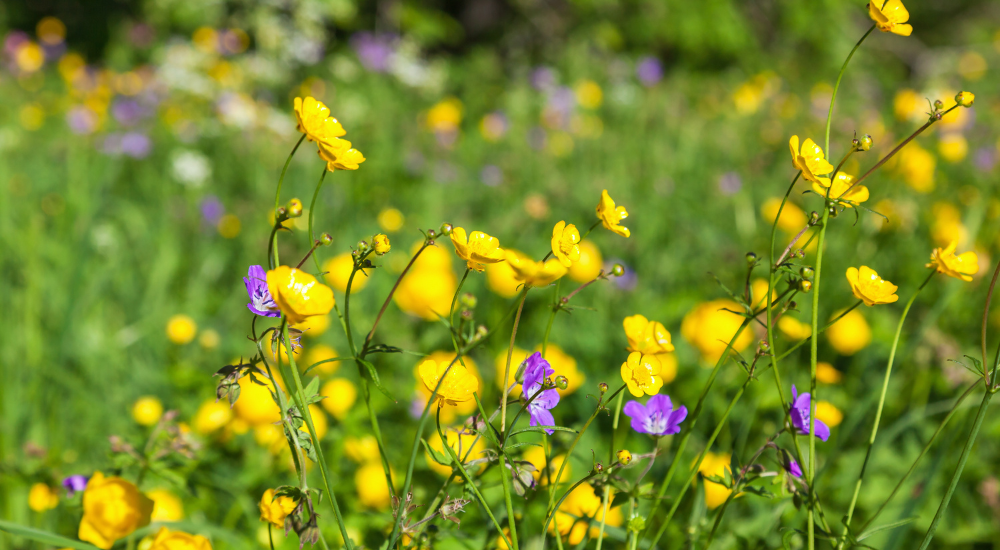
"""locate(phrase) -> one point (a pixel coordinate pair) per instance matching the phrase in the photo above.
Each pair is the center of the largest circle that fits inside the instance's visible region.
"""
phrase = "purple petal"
(676, 417)
(794, 468)
(542, 417)
(795, 393)
(547, 400)
(638, 414)
(659, 403)
(822, 430)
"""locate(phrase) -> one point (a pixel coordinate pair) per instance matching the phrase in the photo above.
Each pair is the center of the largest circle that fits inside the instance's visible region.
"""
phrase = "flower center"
(656, 423)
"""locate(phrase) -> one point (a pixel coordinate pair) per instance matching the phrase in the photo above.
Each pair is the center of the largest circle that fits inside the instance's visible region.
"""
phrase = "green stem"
(802, 342)
(767, 299)
(281, 179)
(604, 515)
(552, 317)
(833, 98)
(312, 210)
(510, 353)
(813, 360)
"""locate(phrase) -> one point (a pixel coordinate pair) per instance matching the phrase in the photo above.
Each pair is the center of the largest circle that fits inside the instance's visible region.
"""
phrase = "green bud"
(294, 208)
(362, 245)
(764, 346)
(281, 213)
(326, 239)
(468, 300)
(562, 382)
(813, 218)
(938, 105)
(806, 272)
(446, 229)
(866, 143)
(618, 270)
(603, 386)
(637, 524)
(751, 258)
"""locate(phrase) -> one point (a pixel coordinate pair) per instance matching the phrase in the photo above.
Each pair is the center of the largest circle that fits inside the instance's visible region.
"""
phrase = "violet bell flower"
(657, 418)
(74, 484)
(536, 370)
(261, 302)
(800, 416)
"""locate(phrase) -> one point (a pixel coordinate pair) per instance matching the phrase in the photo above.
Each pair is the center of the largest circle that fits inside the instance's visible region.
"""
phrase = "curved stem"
(312, 210)
(833, 98)
(281, 179)
(385, 304)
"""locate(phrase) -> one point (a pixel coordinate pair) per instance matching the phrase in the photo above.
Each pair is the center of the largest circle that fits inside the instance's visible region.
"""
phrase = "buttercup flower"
(588, 266)
(962, 266)
(715, 465)
(645, 336)
(545, 471)
(477, 248)
(624, 456)
(611, 216)
(850, 334)
(869, 287)
(657, 418)
(581, 505)
(315, 122)
(534, 273)
(800, 416)
(466, 445)
(858, 194)
(341, 395)
(642, 374)
(381, 244)
(261, 302)
(112, 509)
(166, 506)
(809, 159)
(74, 484)
(890, 17)
(298, 294)
(147, 410)
(339, 155)
(566, 243)
(373, 489)
(709, 326)
(536, 371)
(212, 415)
(274, 510)
(181, 329)
(166, 539)
(458, 385)
(965, 99)
(41, 497)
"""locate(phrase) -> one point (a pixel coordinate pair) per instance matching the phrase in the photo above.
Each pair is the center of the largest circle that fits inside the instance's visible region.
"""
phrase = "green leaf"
(879, 528)
(373, 374)
(440, 458)
(318, 363)
(44, 536)
(541, 429)
(513, 446)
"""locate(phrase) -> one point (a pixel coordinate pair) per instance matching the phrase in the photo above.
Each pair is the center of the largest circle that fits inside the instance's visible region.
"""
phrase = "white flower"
(191, 168)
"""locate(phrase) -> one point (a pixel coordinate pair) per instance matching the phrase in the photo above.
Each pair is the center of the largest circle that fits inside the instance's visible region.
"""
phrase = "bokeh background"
(140, 144)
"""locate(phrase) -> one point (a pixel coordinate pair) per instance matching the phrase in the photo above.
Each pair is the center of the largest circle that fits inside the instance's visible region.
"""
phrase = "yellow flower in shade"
(147, 410)
(642, 374)
(298, 294)
(165, 539)
(166, 506)
(566, 243)
(532, 273)
(647, 337)
(709, 327)
(390, 220)
(321, 352)
(274, 509)
(373, 489)
(315, 122)
(581, 505)
(611, 216)
(381, 244)
(458, 385)
(361, 449)
(917, 166)
(426, 293)
(715, 465)
(337, 271)
(850, 334)
(793, 328)
(41, 497)
(502, 279)
(828, 413)
(792, 220)
(112, 509)
(211, 416)
(809, 159)
(890, 17)
(827, 373)
(536, 456)
(869, 287)
(858, 194)
(465, 446)
(476, 248)
(565, 365)
(589, 265)
(962, 266)
(255, 405)
(181, 329)
(340, 397)
(947, 225)
(965, 99)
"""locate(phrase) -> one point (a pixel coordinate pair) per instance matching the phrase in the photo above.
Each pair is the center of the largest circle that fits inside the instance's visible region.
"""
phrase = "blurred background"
(140, 145)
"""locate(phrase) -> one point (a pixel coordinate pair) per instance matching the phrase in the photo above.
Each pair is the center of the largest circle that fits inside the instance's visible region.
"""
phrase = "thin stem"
(312, 210)
(510, 353)
(802, 342)
(385, 304)
(281, 179)
(604, 514)
(813, 360)
(552, 317)
(833, 98)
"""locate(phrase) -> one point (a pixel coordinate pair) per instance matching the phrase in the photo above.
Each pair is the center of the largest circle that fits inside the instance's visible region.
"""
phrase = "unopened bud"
(362, 246)
(965, 99)
(562, 382)
(446, 228)
(468, 300)
(599, 468)
(618, 270)
(294, 208)
(431, 234)
(866, 143)
(938, 105)
(326, 239)
(764, 346)
(800, 253)
(805, 286)
(806, 272)
(603, 386)
(751, 258)
(637, 524)
(833, 211)
(813, 218)
(625, 457)
(281, 213)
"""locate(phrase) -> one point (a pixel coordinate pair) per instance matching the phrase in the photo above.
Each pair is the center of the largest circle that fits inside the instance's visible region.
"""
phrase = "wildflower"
(809, 159)
(147, 410)
(373, 489)
(890, 17)
(536, 371)
(166, 506)
(869, 287)
(390, 220)
(624, 457)
(962, 266)
(341, 156)
(298, 294)
(362, 450)
(337, 271)
(166, 539)
(181, 329)
(828, 413)
(428, 287)
(583, 504)
(532, 273)
(792, 217)
(74, 484)
(588, 94)
(312, 327)
(827, 373)
(212, 415)
(458, 384)
(477, 248)
(800, 416)
(41, 497)
(502, 279)
(645, 336)
(565, 243)
(588, 266)
(857, 194)
(657, 418)
(466, 445)
(381, 244)
(965, 99)
(445, 116)
(315, 122)
(793, 328)
(917, 165)
(649, 70)
(112, 509)
(611, 215)
(255, 405)
(953, 147)
(341, 395)
(565, 365)
(792, 467)
(544, 471)
(715, 465)
(274, 509)
(710, 327)
(850, 334)
(642, 374)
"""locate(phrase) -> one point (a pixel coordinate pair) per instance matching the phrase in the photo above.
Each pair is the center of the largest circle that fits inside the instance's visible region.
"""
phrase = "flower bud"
(637, 524)
(806, 272)
(381, 244)
(751, 258)
(362, 246)
(281, 213)
(833, 211)
(603, 386)
(965, 99)
(764, 346)
(813, 218)
(624, 457)
(326, 239)
(598, 467)
(446, 229)
(938, 105)
(805, 286)
(562, 382)
(866, 143)
(468, 300)
(618, 270)
(294, 208)
(800, 253)
(431, 234)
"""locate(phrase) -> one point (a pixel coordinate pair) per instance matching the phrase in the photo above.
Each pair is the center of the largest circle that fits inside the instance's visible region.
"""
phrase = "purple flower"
(800, 415)
(543, 78)
(73, 484)
(793, 468)
(536, 370)
(649, 70)
(730, 183)
(81, 120)
(128, 111)
(375, 51)
(261, 302)
(657, 418)
(212, 210)
(136, 145)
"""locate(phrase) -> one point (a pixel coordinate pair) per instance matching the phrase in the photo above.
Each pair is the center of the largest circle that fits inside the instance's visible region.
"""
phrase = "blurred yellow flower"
(445, 116)
(373, 489)
(29, 57)
(274, 509)
(147, 410)
(532, 273)
(315, 122)
(715, 465)
(166, 506)
(827, 373)
(582, 504)
(589, 265)
(229, 226)
(50, 30)
(31, 116)
(41, 497)
(566, 243)
(340, 397)
(112, 509)
(465, 446)
(321, 352)
(642, 374)
(828, 413)
(792, 220)
(315, 325)
(857, 194)
(647, 337)
(338, 271)
(211, 416)
(298, 294)
(255, 405)
(476, 248)
(426, 293)
(758, 289)
(361, 449)
(565, 365)
(502, 279)
(793, 328)
(709, 328)
(209, 339)
(381, 244)
(458, 384)
(536, 456)
(953, 147)
(917, 166)
(850, 334)
(319, 421)
(890, 17)
(946, 223)
(611, 216)
(390, 220)
(962, 266)
(181, 329)
(165, 539)
(869, 287)
(908, 104)
(588, 94)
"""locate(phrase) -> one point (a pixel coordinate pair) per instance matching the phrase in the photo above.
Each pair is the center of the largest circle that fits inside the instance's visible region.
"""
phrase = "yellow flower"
(850, 334)
(827, 373)
(373, 489)
(869, 287)
(255, 405)
(465, 446)
(361, 450)
(445, 116)
(809, 159)
(536, 456)
(166, 506)
(275, 509)
(793, 328)
(534, 273)
(341, 156)
(709, 328)
(589, 265)
(890, 17)
(41, 497)
(965, 99)
(426, 293)
(611, 216)
(566, 243)
(715, 465)
(340, 397)
(321, 352)
(947, 224)
(166, 539)
(963, 266)
(337, 271)
(381, 244)
(390, 220)
(458, 385)
(645, 336)
(112, 509)
(828, 413)
(463, 408)
(858, 194)
(624, 456)
(953, 147)
(502, 279)
(312, 327)
(147, 410)
(588, 94)
(315, 122)
(565, 365)
(642, 374)
(917, 165)
(477, 248)
(758, 289)
(181, 329)
(298, 294)
(792, 220)
(211, 416)
(581, 504)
